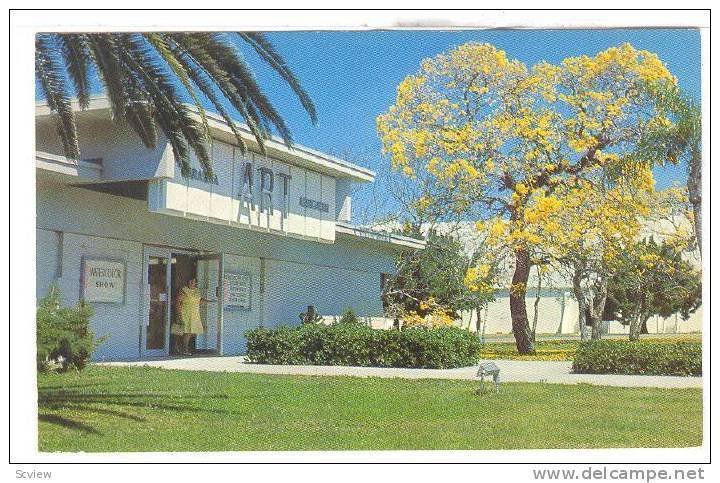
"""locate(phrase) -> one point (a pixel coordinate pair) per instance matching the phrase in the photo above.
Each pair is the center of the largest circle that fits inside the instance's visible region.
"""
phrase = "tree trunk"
(480, 324)
(562, 314)
(536, 305)
(597, 308)
(636, 324)
(577, 290)
(694, 186)
(518, 308)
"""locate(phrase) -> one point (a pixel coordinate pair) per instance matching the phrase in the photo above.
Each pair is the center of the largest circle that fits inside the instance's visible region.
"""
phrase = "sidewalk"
(555, 372)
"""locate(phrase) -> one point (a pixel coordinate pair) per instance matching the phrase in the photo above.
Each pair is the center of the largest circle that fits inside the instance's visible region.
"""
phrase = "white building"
(269, 235)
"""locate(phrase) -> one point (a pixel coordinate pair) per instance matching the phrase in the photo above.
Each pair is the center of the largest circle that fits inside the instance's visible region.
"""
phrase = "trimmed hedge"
(360, 345)
(640, 358)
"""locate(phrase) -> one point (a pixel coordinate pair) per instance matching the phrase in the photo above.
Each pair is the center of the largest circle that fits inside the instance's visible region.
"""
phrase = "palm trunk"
(694, 186)
(518, 308)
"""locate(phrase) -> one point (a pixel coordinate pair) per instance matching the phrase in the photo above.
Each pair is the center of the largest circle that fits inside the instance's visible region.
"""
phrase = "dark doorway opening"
(184, 268)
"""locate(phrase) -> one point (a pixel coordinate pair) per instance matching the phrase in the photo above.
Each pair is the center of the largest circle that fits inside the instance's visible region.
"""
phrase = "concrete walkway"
(556, 372)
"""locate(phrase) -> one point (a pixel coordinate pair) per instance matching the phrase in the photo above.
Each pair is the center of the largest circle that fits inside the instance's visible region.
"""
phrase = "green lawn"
(147, 409)
(563, 349)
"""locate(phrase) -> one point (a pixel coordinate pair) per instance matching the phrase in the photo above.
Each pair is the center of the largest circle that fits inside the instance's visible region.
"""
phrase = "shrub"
(677, 358)
(64, 338)
(360, 345)
(349, 317)
(311, 316)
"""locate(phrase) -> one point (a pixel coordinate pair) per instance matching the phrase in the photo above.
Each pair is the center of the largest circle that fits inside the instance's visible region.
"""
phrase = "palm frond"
(244, 81)
(50, 71)
(106, 57)
(267, 51)
(138, 112)
(207, 76)
(160, 44)
(202, 48)
(140, 73)
(77, 61)
(170, 112)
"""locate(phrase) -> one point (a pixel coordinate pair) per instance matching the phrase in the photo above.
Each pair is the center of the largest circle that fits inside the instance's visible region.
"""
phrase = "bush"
(360, 345)
(64, 338)
(311, 316)
(674, 358)
(349, 317)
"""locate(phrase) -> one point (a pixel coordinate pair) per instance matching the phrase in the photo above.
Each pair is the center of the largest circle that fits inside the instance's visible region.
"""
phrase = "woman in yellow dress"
(188, 321)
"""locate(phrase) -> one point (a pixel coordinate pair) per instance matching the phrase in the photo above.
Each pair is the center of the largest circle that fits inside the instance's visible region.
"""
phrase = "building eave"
(296, 154)
(398, 241)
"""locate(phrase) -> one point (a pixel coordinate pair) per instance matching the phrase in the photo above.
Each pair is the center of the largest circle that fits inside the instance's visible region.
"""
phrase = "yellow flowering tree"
(486, 135)
(583, 227)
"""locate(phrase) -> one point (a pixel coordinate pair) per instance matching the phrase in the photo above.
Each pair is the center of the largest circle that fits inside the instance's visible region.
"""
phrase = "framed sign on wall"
(103, 281)
(237, 290)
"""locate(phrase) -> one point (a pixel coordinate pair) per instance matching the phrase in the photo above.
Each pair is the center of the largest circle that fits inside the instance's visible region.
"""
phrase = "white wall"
(558, 316)
(292, 286)
(124, 156)
(237, 321)
(47, 249)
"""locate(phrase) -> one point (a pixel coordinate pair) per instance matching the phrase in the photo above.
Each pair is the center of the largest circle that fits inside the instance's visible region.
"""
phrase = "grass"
(117, 409)
(560, 349)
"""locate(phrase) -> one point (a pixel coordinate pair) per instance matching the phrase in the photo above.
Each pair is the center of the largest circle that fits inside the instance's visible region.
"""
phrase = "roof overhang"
(296, 154)
(66, 166)
(398, 241)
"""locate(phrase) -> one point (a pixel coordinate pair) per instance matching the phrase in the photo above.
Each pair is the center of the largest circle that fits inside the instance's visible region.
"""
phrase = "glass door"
(210, 283)
(155, 330)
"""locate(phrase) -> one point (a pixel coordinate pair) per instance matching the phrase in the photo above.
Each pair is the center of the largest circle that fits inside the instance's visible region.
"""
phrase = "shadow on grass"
(121, 405)
(67, 423)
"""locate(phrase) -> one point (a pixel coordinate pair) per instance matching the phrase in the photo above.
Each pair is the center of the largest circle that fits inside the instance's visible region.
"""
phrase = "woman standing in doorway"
(188, 322)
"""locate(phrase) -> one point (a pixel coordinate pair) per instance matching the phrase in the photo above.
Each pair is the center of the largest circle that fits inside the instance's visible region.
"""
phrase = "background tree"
(431, 279)
(653, 279)
(677, 138)
(492, 134)
(148, 76)
(583, 228)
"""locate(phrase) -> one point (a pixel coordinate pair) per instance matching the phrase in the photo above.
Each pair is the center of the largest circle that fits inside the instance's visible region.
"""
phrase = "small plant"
(349, 317)
(311, 316)
(64, 338)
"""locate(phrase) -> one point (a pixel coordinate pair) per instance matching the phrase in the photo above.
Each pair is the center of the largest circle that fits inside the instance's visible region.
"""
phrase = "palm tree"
(146, 75)
(679, 141)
